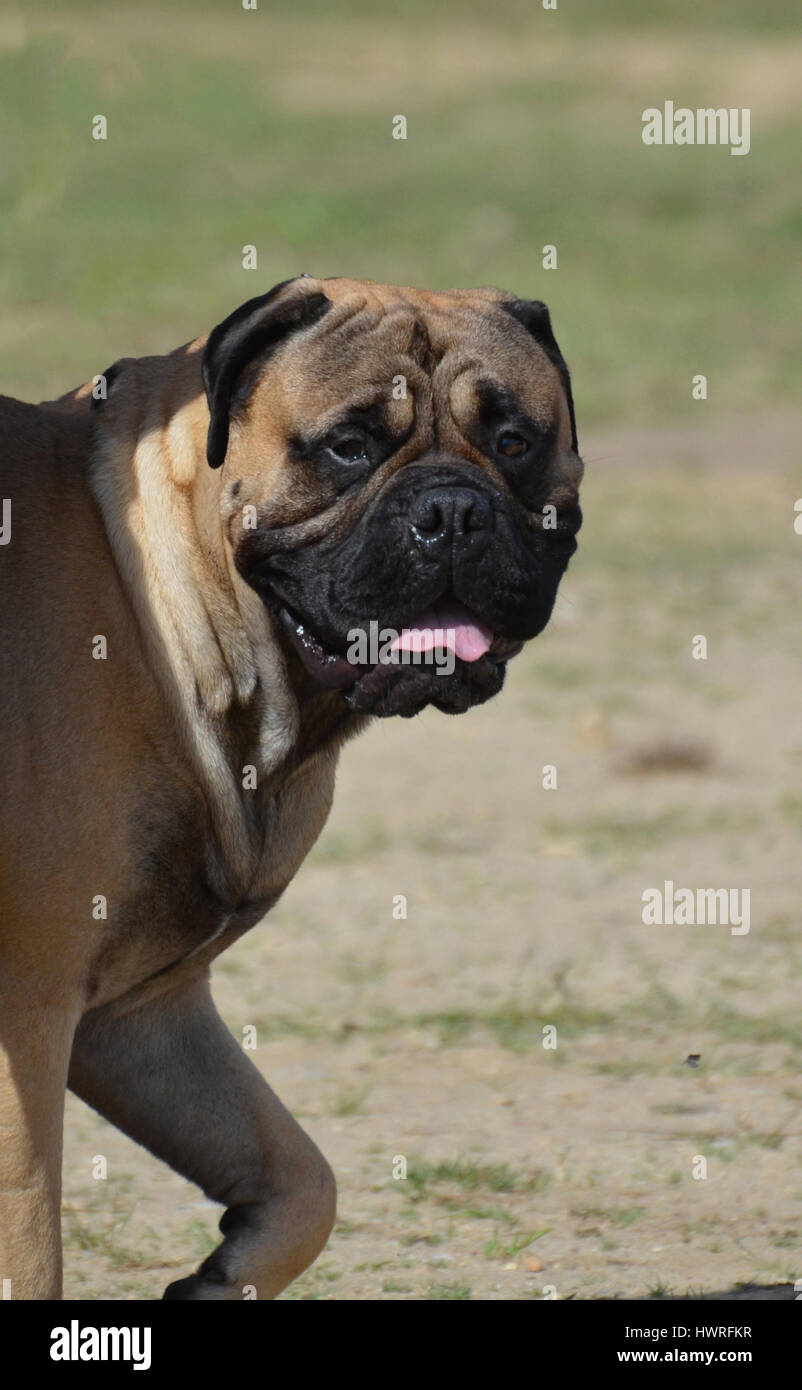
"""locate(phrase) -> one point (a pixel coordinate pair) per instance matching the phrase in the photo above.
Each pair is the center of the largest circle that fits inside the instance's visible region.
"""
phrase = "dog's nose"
(444, 516)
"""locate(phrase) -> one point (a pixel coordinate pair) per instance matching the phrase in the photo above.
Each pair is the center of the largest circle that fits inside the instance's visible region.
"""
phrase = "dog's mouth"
(446, 637)
(329, 668)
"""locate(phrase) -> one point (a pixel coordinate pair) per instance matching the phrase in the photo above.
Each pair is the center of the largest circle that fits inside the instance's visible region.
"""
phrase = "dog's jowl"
(191, 551)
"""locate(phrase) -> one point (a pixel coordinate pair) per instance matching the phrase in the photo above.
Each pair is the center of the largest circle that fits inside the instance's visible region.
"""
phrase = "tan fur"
(123, 777)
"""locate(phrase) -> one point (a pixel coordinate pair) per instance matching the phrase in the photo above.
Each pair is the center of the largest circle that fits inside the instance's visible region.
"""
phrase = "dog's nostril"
(470, 513)
(427, 516)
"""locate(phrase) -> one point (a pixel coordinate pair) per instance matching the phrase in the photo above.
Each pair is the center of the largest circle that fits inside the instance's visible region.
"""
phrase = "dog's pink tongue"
(446, 625)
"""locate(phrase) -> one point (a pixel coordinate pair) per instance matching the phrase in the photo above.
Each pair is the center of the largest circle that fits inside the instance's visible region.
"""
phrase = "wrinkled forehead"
(446, 347)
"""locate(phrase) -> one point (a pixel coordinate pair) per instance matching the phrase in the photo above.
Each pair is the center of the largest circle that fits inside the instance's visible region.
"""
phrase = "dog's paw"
(204, 1286)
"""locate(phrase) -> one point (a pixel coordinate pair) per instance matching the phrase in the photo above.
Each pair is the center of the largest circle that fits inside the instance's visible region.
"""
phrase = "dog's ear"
(534, 316)
(252, 330)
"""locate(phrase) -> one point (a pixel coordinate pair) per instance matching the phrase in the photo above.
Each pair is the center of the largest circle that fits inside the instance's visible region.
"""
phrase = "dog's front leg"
(171, 1075)
(35, 1039)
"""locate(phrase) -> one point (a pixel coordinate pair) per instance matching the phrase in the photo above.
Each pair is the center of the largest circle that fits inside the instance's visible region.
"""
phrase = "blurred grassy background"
(273, 127)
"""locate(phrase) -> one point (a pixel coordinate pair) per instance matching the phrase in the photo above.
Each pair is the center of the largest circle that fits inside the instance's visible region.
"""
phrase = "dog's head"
(399, 464)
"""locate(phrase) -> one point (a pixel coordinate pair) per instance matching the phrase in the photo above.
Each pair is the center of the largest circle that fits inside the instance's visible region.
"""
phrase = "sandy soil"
(531, 1171)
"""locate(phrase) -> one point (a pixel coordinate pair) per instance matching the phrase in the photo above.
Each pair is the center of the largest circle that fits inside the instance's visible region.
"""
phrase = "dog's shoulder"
(36, 436)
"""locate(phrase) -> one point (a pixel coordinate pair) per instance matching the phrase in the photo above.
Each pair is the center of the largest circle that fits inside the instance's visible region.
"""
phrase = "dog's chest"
(182, 897)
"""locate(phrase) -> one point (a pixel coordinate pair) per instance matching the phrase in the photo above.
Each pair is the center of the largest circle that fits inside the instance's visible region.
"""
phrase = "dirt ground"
(535, 1172)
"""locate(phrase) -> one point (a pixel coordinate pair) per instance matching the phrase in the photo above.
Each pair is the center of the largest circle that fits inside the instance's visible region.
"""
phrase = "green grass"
(274, 128)
(488, 1214)
(507, 1247)
(120, 1243)
(518, 1025)
(617, 1216)
(422, 1178)
(451, 1292)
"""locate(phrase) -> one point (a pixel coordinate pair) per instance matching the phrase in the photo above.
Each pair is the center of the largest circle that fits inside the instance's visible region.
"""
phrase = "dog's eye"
(350, 450)
(511, 445)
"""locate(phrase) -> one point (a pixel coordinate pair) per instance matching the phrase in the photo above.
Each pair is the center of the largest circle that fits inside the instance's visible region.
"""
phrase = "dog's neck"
(239, 701)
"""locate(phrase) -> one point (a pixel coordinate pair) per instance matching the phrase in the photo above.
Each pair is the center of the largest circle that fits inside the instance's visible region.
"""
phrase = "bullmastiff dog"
(190, 543)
